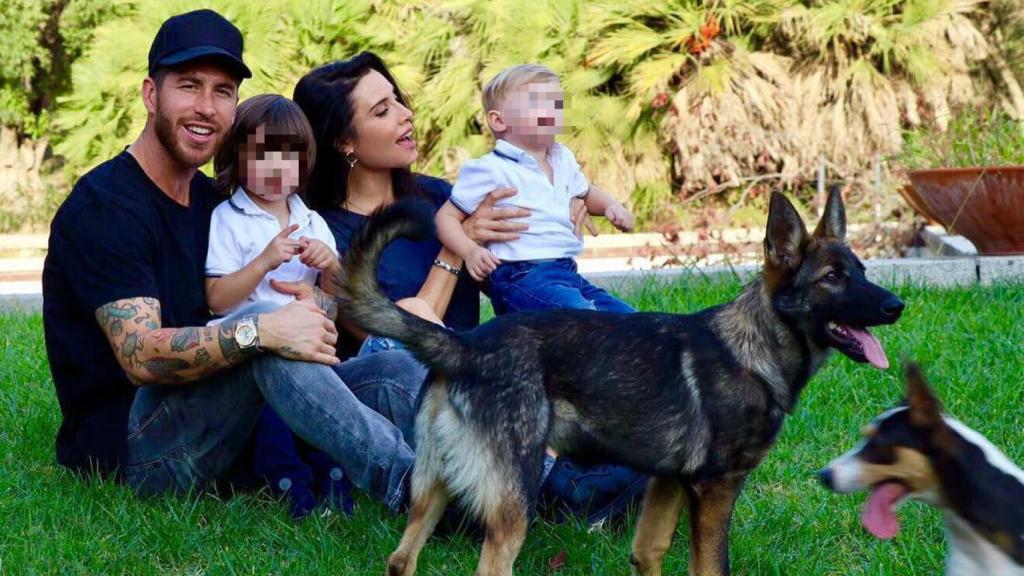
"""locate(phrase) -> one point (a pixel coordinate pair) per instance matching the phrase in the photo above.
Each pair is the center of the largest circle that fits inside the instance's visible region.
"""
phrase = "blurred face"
(192, 111)
(271, 164)
(533, 113)
(382, 125)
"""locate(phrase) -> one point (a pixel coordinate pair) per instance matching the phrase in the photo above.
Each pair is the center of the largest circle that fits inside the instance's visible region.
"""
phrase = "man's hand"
(298, 289)
(280, 250)
(481, 262)
(490, 224)
(580, 217)
(619, 216)
(316, 254)
(306, 293)
(299, 331)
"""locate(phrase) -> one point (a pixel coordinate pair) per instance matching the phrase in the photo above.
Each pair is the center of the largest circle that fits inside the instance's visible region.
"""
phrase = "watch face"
(245, 334)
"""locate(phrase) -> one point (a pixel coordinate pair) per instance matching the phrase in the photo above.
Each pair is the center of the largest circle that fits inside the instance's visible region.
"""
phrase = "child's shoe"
(300, 497)
(336, 490)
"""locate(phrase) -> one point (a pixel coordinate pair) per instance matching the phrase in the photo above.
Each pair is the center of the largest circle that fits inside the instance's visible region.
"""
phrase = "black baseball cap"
(198, 34)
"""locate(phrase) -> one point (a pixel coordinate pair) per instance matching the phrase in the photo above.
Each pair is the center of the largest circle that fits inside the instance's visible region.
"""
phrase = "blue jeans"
(547, 284)
(374, 344)
(361, 413)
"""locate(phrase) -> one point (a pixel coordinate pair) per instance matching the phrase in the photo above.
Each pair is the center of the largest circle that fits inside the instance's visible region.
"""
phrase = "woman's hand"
(490, 224)
(580, 217)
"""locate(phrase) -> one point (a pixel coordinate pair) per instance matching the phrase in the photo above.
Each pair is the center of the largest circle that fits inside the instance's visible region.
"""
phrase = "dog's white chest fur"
(970, 554)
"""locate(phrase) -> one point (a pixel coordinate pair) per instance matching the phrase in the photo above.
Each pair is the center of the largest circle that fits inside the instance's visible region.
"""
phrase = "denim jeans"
(361, 413)
(374, 344)
(547, 284)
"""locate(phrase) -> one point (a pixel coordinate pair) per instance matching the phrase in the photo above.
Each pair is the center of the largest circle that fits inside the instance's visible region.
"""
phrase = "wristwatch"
(247, 336)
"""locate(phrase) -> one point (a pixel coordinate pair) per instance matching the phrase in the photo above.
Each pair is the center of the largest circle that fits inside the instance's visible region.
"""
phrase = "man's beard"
(179, 153)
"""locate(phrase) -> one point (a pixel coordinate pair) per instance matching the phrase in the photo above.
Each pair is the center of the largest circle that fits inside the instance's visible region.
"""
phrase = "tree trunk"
(23, 189)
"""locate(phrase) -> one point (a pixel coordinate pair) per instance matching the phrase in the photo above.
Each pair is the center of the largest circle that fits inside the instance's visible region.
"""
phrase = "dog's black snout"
(825, 476)
(893, 307)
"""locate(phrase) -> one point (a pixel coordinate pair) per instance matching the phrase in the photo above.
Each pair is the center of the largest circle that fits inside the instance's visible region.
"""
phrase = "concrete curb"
(939, 272)
(21, 303)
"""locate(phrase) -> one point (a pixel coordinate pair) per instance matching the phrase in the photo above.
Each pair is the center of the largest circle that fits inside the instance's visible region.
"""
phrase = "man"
(125, 311)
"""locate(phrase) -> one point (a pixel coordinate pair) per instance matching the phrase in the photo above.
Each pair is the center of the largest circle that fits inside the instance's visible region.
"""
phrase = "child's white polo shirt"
(550, 234)
(240, 231)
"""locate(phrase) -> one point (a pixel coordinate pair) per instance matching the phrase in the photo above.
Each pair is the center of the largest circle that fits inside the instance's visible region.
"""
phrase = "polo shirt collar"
(300, 213)
(511, 152)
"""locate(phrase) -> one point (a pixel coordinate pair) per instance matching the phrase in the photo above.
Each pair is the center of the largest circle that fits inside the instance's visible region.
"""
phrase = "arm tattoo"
(185, 339)
(119, 320)
(130, 347)
(229, 348)
(167, 369)
(202, 356)
(132, 326)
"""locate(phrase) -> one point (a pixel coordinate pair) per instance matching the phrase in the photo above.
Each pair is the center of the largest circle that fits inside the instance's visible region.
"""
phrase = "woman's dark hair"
(285, 129)
(325, 95)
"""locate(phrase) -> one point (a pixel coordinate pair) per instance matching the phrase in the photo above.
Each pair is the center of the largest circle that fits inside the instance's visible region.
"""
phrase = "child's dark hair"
(325, 96)
(285, 129)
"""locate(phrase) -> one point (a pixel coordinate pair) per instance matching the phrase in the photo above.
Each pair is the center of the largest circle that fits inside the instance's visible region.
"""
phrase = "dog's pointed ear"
(786, 235)
(925, 409)
(832, 225)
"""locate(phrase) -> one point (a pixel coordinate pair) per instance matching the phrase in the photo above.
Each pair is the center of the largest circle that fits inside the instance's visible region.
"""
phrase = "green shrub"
(972, 138)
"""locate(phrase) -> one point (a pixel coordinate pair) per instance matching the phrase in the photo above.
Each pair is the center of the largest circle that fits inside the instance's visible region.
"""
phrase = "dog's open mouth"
(879, 515)
(857, 343)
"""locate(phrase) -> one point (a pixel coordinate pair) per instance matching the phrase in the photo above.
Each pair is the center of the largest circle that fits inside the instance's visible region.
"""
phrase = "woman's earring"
(350, 157)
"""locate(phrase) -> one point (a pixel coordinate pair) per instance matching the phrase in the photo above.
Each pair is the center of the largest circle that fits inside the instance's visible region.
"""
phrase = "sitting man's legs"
(185, 437)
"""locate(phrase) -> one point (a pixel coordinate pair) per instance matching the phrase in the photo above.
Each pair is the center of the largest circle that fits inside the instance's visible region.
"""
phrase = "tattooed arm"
(150, 354)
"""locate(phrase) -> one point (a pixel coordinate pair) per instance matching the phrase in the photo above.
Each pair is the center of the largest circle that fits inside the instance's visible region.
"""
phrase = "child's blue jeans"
(547, 284)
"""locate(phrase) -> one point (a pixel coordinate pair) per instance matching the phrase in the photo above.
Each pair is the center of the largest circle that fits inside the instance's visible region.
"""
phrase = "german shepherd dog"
(915, 451)
(694, 400)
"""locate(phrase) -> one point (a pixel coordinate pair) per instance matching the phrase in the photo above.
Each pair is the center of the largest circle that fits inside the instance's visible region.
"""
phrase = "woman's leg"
(275, 458)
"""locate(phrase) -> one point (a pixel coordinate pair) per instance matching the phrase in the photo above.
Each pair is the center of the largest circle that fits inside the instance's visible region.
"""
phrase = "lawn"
(969, 340)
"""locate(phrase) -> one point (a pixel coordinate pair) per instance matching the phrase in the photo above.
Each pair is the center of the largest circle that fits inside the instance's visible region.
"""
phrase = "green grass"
(969, 340)
(973, 138)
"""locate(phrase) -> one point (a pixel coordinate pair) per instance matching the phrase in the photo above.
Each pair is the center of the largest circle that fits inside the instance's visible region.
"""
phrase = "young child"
(265, 232)
(524, 108)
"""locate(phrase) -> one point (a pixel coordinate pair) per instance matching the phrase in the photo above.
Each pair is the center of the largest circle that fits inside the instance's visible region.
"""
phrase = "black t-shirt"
(404, 265)
(116, 236)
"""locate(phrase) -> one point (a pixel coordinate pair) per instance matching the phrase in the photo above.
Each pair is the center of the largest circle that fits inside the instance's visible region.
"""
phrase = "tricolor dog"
(914, 451)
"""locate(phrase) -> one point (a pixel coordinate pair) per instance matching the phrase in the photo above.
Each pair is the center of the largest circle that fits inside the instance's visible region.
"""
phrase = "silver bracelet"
(447, 267)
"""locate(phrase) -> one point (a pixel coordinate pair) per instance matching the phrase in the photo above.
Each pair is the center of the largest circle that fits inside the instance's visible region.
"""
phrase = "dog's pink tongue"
(878, 515)
(872, 347)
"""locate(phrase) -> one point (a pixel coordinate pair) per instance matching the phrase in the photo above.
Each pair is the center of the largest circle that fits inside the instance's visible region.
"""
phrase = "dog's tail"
(362, 301)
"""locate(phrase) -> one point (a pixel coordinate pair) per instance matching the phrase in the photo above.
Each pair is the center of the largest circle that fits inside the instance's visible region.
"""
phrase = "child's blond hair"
(512, 78)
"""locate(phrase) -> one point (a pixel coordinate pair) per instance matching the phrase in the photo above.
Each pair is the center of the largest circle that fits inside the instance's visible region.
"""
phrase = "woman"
(364, 133)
